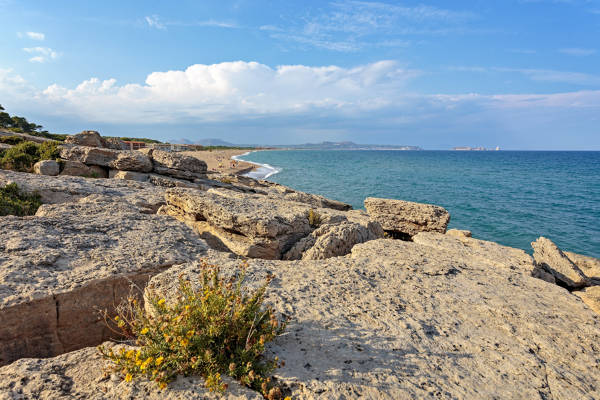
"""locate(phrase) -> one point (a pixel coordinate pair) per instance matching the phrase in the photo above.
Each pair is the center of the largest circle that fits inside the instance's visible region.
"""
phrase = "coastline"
(259, 171)
(219, 161)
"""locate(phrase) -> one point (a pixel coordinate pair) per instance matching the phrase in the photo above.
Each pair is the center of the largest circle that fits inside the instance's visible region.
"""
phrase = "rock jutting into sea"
(436, 315)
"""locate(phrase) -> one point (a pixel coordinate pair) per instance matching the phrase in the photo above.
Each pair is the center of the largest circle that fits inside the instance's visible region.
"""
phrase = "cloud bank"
(345, 101)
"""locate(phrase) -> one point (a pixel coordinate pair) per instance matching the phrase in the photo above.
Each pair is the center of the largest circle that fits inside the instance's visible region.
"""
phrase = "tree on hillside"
(17, 123)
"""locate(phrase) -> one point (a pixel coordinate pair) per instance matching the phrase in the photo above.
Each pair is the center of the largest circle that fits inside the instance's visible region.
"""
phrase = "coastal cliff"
(382, 304)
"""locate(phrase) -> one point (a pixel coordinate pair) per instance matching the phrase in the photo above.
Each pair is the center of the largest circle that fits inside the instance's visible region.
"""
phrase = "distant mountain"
(205, 142)
(346, 146)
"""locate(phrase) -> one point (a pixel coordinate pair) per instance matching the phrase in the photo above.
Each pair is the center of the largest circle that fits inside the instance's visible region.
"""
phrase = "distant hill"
(206, 142)
(346, 146)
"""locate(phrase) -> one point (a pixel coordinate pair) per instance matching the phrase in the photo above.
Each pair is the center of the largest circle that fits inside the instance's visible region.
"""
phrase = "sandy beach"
(220, 161)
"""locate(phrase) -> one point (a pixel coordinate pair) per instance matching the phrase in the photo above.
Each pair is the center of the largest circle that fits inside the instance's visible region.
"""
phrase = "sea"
(509, 197)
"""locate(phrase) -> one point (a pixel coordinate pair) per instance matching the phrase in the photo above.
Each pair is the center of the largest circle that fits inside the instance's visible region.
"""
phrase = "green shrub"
(24, 155)
(220, 328)
(15, 202)
(12, 140)
(314, 218)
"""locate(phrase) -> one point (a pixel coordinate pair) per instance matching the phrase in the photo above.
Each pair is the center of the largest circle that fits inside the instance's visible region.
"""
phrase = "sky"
(519, 74)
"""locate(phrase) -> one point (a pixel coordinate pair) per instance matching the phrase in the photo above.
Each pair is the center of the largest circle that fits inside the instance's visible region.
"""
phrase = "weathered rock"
(115, 143)
(128, 175)
(548, 256)
(333, 240)
(5, 146)
(490, 253)
(75, 168)
(80, 375)
(591, 297)
(178, 165)
(97, 171)
(31, 138)
(89, 155)
(46, 167)
(371, 325)
(73, 259)
(61, 189)
(86, 138)
(166, 181)
(590, 266)
(406, 218)
(459, 233)
(132, 161)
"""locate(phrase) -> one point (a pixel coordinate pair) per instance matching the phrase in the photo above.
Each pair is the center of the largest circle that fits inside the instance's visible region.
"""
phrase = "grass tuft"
(14, 202)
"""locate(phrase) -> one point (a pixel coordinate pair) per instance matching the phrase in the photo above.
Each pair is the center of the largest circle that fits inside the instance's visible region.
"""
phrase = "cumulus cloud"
(302, 100)
(41, 54)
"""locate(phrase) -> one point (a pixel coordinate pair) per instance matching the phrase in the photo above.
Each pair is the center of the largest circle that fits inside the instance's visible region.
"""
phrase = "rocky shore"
(383, 304)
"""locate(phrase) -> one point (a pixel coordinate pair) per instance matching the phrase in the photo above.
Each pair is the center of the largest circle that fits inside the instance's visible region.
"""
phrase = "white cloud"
(544, 75)
(35, 35)
(351, 25)
(41, 54)
(154, 22)
(576, 51)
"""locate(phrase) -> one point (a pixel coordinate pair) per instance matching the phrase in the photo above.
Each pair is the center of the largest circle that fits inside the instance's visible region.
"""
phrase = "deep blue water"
(510, 197)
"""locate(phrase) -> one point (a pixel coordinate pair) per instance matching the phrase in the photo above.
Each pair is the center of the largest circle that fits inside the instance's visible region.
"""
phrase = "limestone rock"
(73, 259)
(89, 155)
(80, 375)
(46, 167)
(167, 181)
(548, 256)
(406, 217)
(371, 325)
(178, 165)
(5, 146)
(128, 175)
(75, 168)
(590, 266)
(333, 240)
(459, 233)
(115, 143)
(591, 297)
(86, 138)
(98, 172)
(61, 189)
(132, 161)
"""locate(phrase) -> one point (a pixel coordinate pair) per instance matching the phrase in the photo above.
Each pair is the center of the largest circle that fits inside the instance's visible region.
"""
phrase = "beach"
(221, 161)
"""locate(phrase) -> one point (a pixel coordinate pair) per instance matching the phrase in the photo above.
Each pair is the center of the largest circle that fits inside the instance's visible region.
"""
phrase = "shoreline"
(259, 171)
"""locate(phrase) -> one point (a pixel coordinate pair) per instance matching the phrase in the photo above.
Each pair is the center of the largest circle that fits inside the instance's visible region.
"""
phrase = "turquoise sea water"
(510, 197)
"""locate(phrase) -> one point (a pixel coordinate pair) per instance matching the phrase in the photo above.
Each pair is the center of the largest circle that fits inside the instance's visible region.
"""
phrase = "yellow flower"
(144, 331)
(130, 354)
(159, 360)
(187, 308)
(163, 386)
(161, 302)
(184, 342)
(128, 378)
(138, 354)
(190, 333)
(287, 398)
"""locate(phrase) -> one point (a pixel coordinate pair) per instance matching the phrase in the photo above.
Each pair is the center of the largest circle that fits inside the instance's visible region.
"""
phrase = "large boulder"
(372, 324)
(75, 168)
(46, 167)
(89, 155)
(86, 138)
(178, 165)
(128, 175)
(132, 161)
(590, 266)
(406, 218)
(60, 267)
(548, 256)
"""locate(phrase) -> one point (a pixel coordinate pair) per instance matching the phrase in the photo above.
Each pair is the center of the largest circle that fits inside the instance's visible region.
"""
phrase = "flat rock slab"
(60, 189)
(402, 320)
(58, 268)
(548, 256)
(80, 375)
(406, 217)
(590, 266)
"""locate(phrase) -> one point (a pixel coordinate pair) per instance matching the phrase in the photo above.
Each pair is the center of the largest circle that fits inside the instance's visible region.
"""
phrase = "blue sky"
(520, 74)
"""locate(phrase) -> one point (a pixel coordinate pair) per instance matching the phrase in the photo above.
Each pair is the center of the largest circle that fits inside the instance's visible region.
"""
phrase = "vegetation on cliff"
(219, 328)
(25, 154)
(14, 202)
(17, 124)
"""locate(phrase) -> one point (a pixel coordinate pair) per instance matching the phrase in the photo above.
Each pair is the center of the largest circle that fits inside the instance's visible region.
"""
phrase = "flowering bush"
(219, 328)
